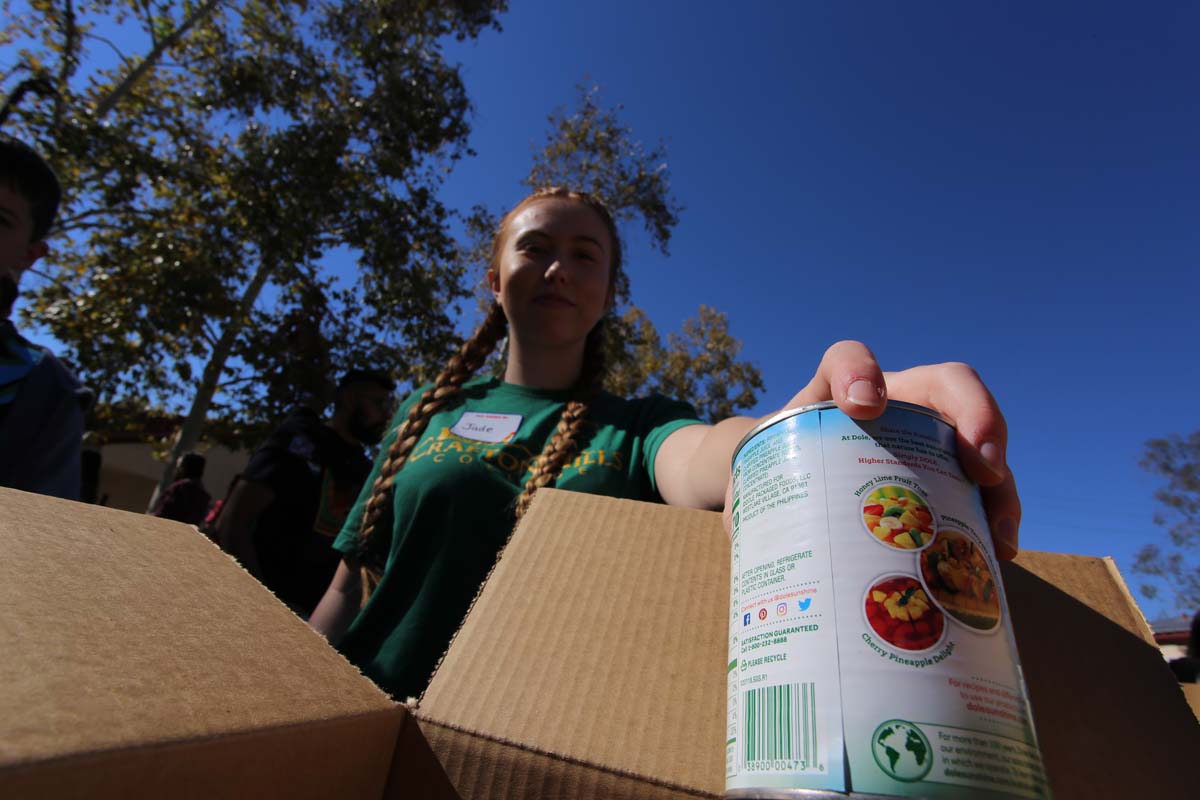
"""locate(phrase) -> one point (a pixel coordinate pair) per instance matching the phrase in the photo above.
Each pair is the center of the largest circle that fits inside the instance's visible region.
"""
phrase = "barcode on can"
(779, 727)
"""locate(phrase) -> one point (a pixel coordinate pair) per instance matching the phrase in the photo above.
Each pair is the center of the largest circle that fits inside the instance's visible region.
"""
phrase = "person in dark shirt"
(1187, 669)
(42, 405)
(290, 502)
(186, 499)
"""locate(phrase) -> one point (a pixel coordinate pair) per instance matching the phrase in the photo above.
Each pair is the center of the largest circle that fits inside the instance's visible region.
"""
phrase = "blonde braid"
(461, 366)
(565, 443)
(561, 448)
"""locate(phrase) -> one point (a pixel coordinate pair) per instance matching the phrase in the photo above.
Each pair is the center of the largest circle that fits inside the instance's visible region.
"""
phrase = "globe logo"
(901, 750)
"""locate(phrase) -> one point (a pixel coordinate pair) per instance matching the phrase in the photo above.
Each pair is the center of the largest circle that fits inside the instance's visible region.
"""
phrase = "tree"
(1176, 458)
(589, 148)
(636, 354)
(699, 364)
(221, 166)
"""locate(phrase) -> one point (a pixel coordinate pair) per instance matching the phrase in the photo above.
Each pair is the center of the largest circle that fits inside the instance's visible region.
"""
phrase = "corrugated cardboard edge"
(1092, 580)
(455, 745)
(286, 761)
(490, 766)
(415, 703)
(360, 746)
(193, 608)
(1111, 720)
(1142, 627)
(416, 773)
(525, 771)
(1191, 693)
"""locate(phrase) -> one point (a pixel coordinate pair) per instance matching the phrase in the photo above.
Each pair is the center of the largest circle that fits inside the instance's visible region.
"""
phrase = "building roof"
(1172, 630)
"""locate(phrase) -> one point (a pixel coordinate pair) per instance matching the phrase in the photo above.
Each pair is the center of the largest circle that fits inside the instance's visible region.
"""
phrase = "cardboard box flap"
(132, 631)
(295, 762)
(1095, 582)
(595, 656)
(1111, 720)
(604, 655)
(492, 770)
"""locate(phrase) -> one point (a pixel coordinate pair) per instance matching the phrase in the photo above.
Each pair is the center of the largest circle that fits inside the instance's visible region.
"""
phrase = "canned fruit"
(868, 648)
(898, 517)
(901, 613)
(956, 573)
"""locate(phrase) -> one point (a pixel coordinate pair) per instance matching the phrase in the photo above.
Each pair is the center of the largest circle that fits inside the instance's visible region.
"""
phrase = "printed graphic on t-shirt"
(512, 459)
(337, 498)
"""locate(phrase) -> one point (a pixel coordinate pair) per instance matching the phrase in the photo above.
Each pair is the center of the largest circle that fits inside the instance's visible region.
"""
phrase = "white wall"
(129, 473)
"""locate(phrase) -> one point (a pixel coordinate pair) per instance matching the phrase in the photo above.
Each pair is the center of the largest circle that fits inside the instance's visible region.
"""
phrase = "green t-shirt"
(453, 510)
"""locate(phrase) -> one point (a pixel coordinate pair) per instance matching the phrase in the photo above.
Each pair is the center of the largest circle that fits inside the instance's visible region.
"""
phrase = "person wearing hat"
(42, 404)
(282, 514)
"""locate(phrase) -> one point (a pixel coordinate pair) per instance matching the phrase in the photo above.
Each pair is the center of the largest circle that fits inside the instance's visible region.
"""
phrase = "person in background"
(186, 499)
(466, 455)
(42, 405)
(284, 510)
(90, 481)
(209, 526)
(1187, 669)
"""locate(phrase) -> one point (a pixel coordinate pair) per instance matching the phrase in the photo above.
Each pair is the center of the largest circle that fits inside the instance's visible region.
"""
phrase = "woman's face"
(552, 274)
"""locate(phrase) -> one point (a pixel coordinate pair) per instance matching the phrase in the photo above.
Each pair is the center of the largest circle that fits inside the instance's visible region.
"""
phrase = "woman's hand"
(850, 376)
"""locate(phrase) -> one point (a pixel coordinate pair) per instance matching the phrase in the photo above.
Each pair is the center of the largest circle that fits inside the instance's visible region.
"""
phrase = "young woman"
(466, 455)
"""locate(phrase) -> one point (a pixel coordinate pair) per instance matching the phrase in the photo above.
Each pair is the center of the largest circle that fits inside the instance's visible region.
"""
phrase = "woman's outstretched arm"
(692, 467)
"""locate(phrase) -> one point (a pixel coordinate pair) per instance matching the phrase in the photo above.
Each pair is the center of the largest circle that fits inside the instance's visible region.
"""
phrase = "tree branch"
(206, 330)
(58, 281)
(123, 88)
(92, 226)
(149, 20)
(189, 433)
(65, 222)
(69, 61)
(105, 40)
(236, 382)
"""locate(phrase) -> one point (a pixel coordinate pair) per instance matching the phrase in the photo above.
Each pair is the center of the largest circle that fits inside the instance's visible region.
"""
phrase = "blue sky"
(1010, 185)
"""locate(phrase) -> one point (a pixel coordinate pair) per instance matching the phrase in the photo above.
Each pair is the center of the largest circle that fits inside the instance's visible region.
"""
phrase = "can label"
(869, 645)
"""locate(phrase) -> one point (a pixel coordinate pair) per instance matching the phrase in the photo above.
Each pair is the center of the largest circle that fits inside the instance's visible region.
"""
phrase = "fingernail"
(1006, 539)
(993, 456)
(864, 393)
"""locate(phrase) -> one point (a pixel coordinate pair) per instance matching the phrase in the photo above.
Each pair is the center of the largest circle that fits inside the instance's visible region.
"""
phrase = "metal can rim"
(822, 406)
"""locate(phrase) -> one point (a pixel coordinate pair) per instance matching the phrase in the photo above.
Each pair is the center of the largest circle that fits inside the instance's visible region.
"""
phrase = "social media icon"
(805, 603)
(781, 609)
(762, 613)
(746, 618)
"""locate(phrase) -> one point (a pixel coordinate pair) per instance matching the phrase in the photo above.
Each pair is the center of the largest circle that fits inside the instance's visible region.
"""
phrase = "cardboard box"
(593, 665)
(1192, 692)
(138, 660)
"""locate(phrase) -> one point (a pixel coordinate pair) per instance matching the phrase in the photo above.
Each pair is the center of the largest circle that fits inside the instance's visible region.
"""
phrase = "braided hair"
(563, 445)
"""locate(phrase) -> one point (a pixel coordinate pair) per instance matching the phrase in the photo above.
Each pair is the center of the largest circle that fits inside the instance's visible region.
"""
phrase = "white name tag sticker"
(483, 427)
